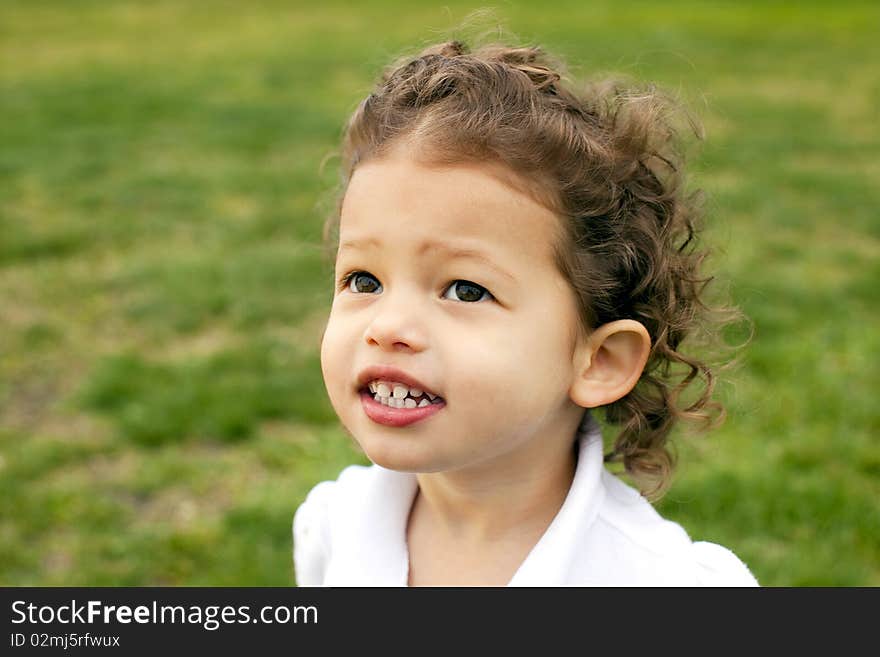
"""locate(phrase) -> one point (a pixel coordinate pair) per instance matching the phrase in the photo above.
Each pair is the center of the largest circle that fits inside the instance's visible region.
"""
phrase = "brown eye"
(468, 291)
(362, 282)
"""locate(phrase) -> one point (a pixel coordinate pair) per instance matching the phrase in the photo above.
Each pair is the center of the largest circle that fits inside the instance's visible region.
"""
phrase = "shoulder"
(658, 551)
(311, 522)
(721, 567)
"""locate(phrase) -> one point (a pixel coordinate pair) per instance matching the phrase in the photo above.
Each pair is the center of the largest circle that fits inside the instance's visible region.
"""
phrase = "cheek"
(527, 360)
(495, 367)
(333, 345)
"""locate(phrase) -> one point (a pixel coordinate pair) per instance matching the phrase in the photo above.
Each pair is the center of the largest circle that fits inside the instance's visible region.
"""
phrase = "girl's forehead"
(470, 202)
(492, 179)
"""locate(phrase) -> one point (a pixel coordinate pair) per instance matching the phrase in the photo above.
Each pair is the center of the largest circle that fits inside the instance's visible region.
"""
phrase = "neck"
(517, 493)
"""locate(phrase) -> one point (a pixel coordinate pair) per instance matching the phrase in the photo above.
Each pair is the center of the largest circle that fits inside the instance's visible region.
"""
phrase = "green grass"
(162, 411)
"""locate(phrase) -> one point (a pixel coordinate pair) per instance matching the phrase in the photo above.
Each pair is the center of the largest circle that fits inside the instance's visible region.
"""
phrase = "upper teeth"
(397, 390)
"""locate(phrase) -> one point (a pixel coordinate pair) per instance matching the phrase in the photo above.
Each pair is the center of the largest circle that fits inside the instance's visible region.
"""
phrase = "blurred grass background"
(162, 293)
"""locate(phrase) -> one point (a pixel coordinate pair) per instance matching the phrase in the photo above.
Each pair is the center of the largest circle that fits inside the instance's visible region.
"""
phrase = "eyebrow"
(451, 251)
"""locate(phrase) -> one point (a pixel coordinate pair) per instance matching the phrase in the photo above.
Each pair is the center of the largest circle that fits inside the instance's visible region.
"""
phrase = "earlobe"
(609, 363)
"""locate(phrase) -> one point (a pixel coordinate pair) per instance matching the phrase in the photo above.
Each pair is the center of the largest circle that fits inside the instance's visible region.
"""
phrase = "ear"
(609, 362)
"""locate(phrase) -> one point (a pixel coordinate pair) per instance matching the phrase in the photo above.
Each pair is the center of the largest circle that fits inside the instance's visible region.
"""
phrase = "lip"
(396, 417)
(388, 373)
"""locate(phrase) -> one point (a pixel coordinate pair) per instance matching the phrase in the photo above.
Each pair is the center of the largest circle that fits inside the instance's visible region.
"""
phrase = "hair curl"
(608, 159)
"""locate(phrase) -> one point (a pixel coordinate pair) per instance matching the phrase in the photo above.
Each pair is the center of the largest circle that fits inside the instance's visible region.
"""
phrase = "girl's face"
(492, 334)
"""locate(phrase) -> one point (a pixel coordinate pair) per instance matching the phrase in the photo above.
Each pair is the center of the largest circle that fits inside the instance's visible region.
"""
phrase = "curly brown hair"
(607, 158)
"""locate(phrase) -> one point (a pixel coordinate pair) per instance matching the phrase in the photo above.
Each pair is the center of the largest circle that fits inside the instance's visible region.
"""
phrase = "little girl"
(510, 254)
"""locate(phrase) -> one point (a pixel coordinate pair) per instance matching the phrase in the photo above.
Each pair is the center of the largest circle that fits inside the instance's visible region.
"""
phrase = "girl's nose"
(396, 326)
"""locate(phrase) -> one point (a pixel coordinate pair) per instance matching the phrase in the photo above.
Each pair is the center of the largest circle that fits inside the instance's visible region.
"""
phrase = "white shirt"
(352, 532)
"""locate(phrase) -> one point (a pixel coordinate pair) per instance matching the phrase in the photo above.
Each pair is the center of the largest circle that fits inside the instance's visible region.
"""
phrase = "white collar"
(369, 541)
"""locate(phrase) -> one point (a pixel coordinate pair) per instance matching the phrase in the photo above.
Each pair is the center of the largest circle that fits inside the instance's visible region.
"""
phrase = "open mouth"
(399, 395)
(401, 410)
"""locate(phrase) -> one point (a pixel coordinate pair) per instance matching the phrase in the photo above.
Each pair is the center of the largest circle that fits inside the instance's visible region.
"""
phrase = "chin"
(399, 456)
